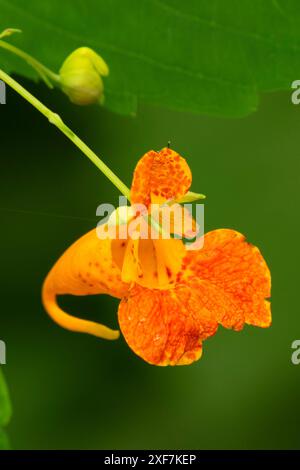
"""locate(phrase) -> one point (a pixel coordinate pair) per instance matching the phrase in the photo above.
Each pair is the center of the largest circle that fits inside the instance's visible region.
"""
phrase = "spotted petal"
(166, 327)
(160, 176)
(233, 276)
(87, 267)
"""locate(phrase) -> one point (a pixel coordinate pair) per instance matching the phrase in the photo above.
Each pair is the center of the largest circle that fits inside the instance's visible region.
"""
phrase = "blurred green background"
(77, 392)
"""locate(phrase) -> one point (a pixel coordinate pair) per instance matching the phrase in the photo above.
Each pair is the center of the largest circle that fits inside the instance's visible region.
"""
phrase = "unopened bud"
(80, 76)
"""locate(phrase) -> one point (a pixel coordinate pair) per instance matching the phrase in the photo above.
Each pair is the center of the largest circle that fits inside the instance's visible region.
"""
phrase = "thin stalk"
(38, 66)
(58, 122)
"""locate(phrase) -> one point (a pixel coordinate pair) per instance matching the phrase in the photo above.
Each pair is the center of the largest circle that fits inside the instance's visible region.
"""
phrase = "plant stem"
(38, 66)
(57, 121)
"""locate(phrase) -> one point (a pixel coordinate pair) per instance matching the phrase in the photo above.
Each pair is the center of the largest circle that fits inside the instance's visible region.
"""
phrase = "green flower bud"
(80, 76)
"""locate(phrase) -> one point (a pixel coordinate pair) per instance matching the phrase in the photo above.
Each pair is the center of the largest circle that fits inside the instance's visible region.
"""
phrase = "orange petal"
(151, 263)
(234, 275)
(160, 176)
(154, 262)
(86, 267)
(165, 327)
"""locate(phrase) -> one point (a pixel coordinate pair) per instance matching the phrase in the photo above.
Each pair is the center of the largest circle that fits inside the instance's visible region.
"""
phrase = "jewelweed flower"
(172, 298)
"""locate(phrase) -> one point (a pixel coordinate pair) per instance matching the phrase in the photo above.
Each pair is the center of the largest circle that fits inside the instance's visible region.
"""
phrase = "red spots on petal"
(169, 272)
(235, 275)
(160, 176)
(165, 327)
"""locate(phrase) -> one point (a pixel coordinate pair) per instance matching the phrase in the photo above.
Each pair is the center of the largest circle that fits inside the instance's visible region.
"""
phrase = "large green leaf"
(5, 412)
(207, 56)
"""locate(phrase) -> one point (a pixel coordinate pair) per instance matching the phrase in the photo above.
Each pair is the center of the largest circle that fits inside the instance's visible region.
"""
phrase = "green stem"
(38, 66)
(57, 121)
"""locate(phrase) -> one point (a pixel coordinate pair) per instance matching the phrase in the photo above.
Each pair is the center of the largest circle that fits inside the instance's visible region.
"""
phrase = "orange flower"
(171, 298)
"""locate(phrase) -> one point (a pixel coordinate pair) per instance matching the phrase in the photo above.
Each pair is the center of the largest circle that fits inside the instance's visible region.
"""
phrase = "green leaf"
(212, 57)
(5, 411)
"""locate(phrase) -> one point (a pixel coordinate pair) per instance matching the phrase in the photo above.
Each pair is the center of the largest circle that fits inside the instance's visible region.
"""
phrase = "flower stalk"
(56, 120)
(44, 72)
